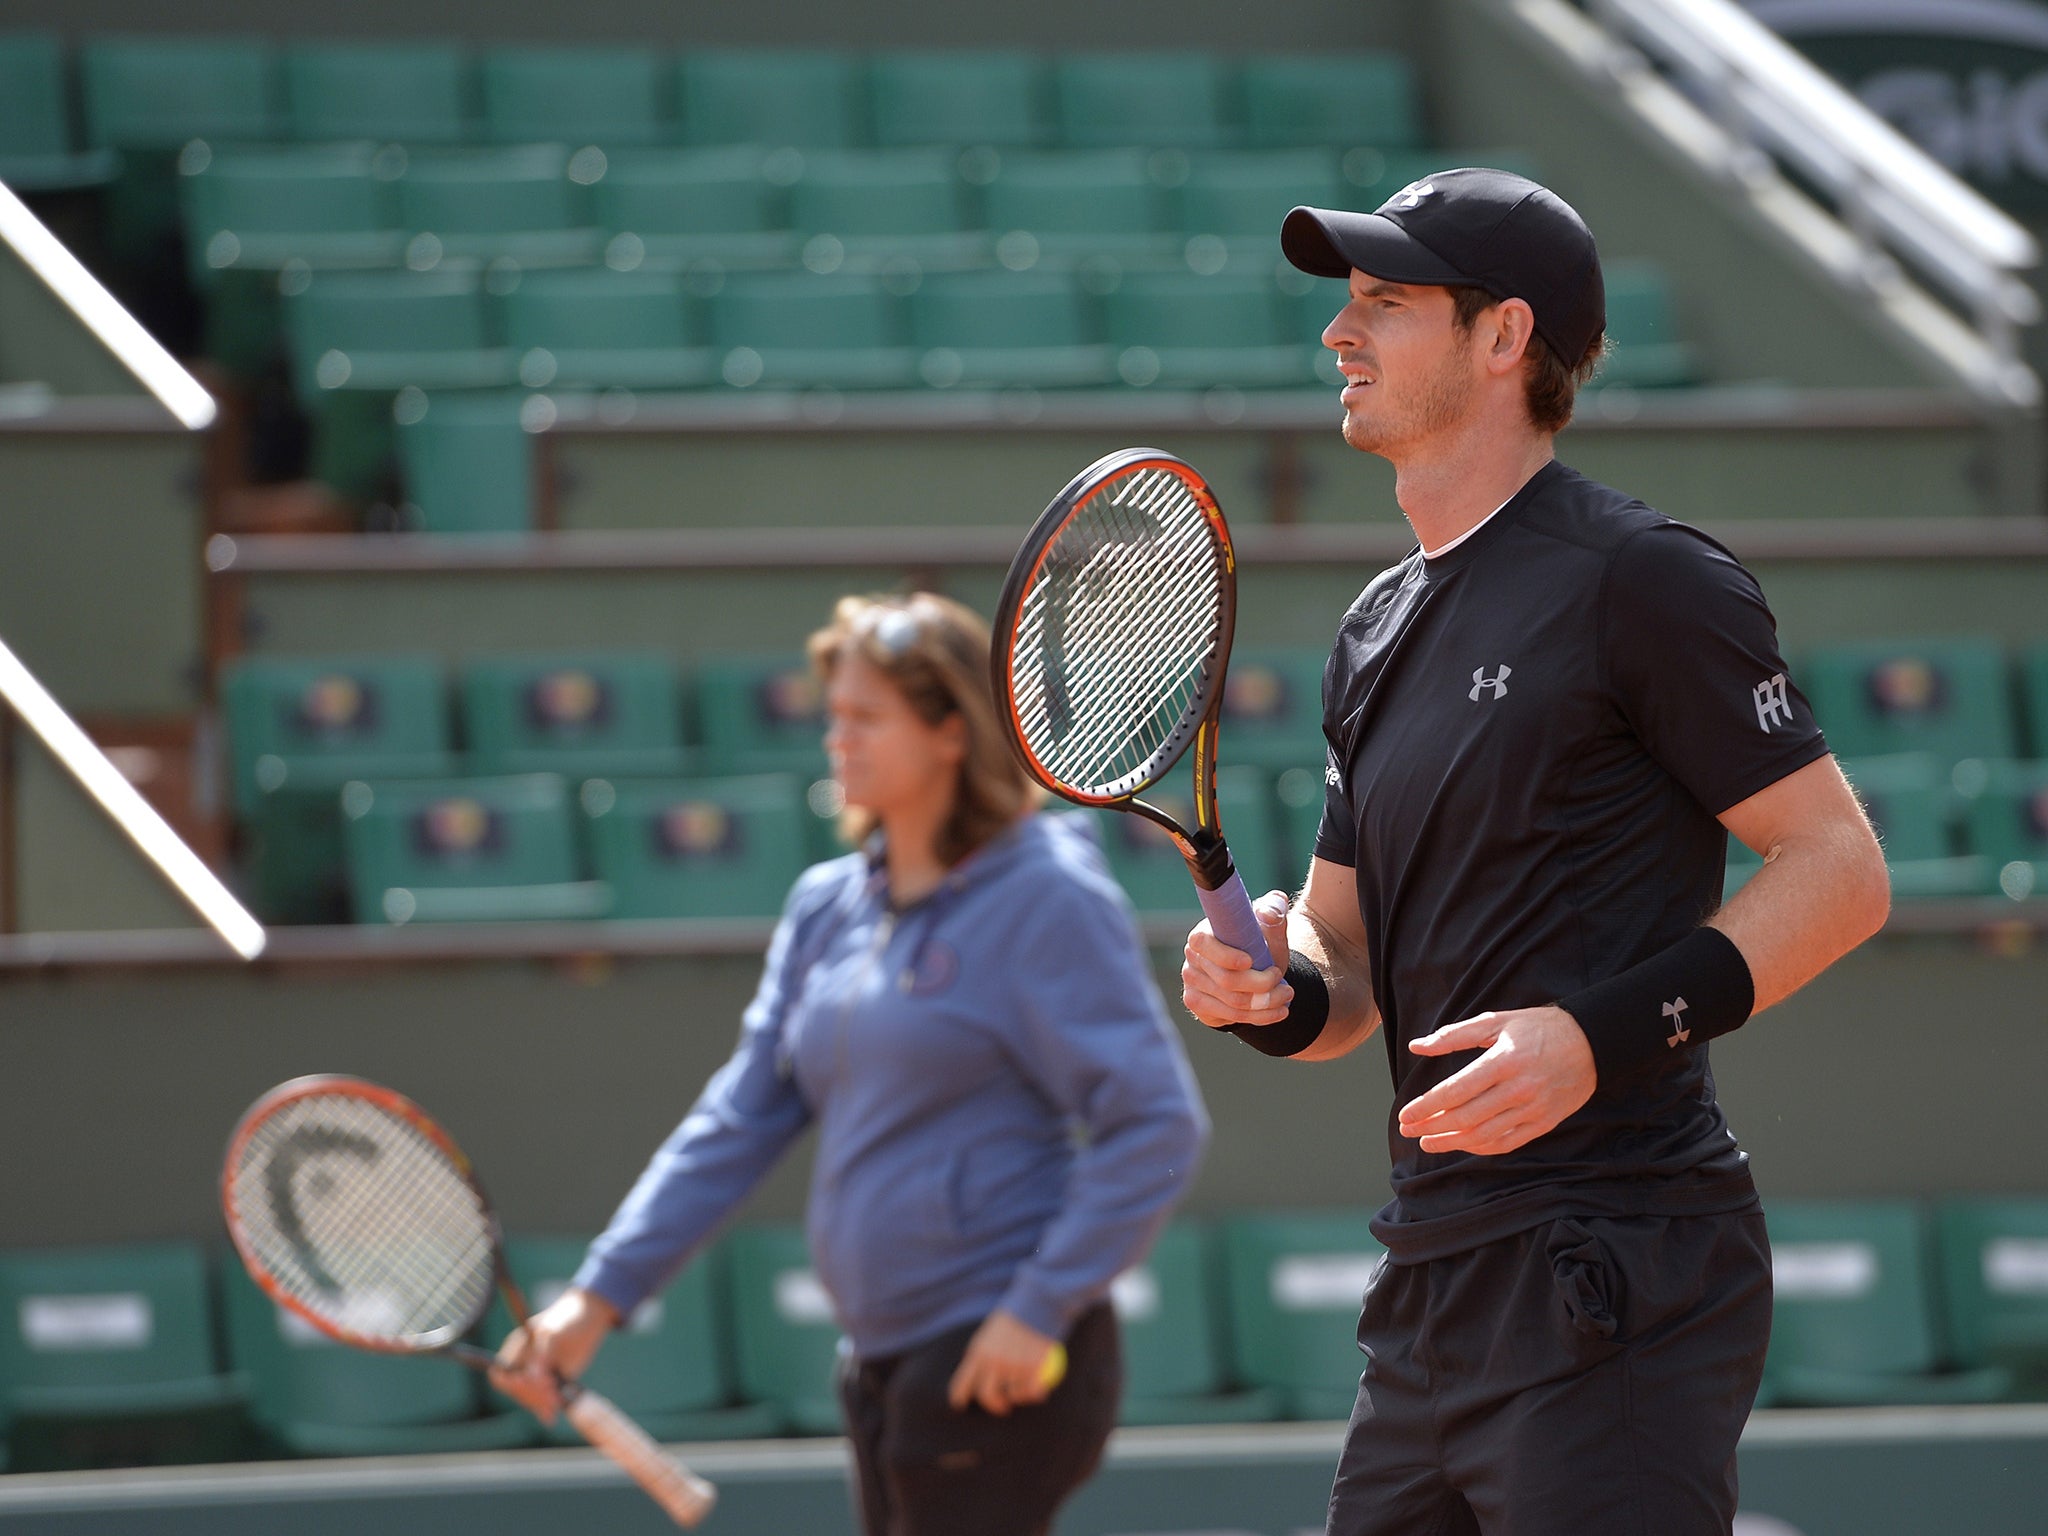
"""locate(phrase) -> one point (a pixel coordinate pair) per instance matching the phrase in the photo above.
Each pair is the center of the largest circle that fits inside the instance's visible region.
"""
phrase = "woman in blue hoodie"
(966, 1011)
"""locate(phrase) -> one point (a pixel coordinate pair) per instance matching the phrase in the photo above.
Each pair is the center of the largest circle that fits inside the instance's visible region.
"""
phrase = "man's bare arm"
(1823, 889)
(1220, 988)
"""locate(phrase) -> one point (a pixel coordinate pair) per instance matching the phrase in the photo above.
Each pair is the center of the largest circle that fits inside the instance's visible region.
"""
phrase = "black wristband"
(1306, 1015)
(1697, 990)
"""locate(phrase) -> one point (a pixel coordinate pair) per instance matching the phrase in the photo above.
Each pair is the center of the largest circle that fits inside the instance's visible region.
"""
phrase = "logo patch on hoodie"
(933, 970)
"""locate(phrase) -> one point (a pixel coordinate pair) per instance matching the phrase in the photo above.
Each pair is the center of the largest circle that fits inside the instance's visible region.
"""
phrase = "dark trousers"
(1587, 1378)
(925, 1469)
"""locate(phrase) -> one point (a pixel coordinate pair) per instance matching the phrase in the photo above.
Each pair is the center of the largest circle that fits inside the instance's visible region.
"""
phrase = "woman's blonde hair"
(935, 651)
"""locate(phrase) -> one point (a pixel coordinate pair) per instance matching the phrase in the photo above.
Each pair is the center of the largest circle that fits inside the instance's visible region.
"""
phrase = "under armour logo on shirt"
(1411, 196)
(1675, 1012)
(1498, 682)
(1773, 702)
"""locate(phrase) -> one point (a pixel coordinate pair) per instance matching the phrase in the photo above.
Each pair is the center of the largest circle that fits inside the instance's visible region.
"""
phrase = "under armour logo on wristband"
(1498, 682)
(1674, 1011)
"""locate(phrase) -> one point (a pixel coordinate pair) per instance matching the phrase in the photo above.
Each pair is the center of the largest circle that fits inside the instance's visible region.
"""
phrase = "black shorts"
(925, 1468)
(1589, 1377)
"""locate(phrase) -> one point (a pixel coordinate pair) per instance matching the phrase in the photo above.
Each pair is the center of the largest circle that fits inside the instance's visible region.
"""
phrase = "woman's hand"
(554, 1346)
(1008, 1362)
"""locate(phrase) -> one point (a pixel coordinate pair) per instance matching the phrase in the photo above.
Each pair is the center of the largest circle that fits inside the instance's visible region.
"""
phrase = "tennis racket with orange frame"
(1111, 639)
(353, 1209)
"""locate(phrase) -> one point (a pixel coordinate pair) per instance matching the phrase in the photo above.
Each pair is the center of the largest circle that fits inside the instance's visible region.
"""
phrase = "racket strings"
(361, 1218)
(1123, 619)
(1128, 713)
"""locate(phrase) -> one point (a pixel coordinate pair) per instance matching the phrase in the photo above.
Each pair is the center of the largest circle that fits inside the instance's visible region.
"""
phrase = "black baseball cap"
(1470, 228)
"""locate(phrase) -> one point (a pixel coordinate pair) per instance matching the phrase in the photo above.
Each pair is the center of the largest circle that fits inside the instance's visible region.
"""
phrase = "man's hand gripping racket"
(1111, 639)
(355, 1210)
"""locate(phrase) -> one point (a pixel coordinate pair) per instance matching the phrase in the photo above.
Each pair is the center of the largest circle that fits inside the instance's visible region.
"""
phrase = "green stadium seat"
(1188, 330)
(1909, 802)
(1090, 207)
(379, 331)
(1994, 1269)
(357, 338)
(719, 848)
(812, 100)
(1947, 697)
(1177, 100)
(521, 204)
(582, 716)
(37, 153)
(668, 1367)
(785, 1339)
(795, 329)
(982, 330)
(410, 93)
(2034, 696)
(147, 98)
(109, 1354)
(1642, 326)
(880, 208)
(251, 213)
(959, 97)
(1167, 1312)
(596, 328)
(761, 714)
(1273, 708)
(465, 463)
(158, 92)
(1331, 99)
(323, 205)
(298, 729)
(1232, 203)
(1854, 1316)
(713, 208)
(1152, 871)
(2006, 814)
(315, 1397)
(603, 96)
(1296, 1282)
(465, 850)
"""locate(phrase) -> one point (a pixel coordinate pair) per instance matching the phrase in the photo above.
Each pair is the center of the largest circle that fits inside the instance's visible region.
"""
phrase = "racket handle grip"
(1232, 920)
(678, 1490)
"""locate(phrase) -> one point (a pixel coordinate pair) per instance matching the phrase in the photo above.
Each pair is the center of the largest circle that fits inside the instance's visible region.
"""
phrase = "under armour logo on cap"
(1411, 196)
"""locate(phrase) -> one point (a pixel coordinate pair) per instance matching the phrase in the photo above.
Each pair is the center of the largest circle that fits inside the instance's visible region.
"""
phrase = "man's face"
(1409, 369)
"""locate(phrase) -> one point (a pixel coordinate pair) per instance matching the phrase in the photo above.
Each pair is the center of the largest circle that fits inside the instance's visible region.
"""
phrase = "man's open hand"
(1536, 1069)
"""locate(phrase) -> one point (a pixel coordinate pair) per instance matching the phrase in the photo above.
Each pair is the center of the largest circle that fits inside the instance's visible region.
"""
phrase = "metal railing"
(101, 314)
(104, 785)
(1904, 208)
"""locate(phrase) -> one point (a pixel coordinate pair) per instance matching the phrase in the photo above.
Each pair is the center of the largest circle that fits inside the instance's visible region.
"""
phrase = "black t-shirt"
(1530, 739)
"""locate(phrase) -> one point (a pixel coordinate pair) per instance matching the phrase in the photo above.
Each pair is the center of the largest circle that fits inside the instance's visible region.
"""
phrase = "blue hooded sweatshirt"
(1005, 1113)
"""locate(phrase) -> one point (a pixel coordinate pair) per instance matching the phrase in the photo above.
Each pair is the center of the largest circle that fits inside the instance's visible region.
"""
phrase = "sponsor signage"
(1966, 80)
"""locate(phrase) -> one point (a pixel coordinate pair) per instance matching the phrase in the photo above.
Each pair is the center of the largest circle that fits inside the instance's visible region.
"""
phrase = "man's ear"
(1514, 325)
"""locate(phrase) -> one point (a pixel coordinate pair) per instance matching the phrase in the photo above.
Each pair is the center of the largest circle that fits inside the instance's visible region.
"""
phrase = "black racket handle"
(1231, 919)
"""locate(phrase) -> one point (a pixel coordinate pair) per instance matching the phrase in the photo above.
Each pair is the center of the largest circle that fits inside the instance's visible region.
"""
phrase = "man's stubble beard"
(1440, 401)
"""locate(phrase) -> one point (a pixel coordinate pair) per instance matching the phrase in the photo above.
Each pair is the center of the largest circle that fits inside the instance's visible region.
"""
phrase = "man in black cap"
(1542, 726)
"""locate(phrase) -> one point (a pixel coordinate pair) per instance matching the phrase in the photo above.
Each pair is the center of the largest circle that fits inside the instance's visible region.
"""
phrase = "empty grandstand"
(427, 438)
